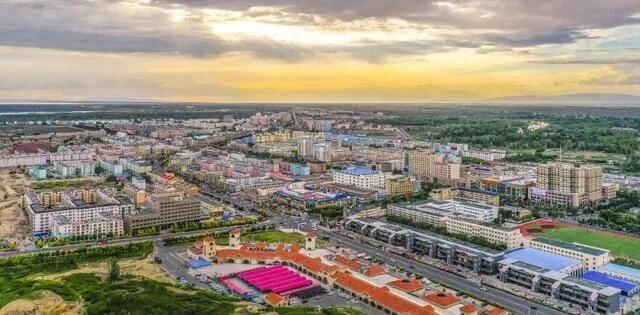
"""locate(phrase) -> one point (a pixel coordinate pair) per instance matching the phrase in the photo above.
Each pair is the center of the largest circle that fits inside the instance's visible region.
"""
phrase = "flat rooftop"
(620, 269)
(542, 259)
(611, 281)
(572, 246)
(358, 170)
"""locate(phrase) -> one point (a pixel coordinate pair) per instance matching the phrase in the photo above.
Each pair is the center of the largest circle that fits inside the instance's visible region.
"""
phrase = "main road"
(491, 295)
(122, 241)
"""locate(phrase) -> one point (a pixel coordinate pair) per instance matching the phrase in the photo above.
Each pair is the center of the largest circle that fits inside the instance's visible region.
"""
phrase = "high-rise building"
(427, 165)
(565, 184)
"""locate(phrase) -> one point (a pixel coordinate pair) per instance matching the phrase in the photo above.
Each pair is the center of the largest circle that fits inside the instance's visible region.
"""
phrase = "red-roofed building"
(442, 299)
(379, 297)
(275, 300)
(494, 311)
(406, 285)
(350, 263)
(469, 309)
(374, 270)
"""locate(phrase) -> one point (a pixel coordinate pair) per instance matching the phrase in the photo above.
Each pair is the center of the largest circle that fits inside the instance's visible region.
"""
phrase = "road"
(491, 295)
(122, 241)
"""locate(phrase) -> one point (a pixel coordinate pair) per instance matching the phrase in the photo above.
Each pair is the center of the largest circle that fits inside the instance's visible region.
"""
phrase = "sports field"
(619, 245)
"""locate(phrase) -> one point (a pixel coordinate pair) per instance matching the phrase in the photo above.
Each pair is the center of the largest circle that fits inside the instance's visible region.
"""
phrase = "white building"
(361, 177)
(486, 155)
(592, 257)
(480, 212)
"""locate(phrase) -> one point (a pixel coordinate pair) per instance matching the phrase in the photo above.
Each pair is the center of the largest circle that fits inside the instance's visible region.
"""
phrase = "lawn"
(269, 236)
(273, 236)
(620, 246)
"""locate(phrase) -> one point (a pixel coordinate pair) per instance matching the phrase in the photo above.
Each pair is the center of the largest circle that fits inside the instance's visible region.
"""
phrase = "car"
(483, 289)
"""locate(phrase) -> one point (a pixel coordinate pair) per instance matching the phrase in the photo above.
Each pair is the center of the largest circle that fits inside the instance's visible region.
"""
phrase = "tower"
(310, 241)
(209, 246)
(234, 237)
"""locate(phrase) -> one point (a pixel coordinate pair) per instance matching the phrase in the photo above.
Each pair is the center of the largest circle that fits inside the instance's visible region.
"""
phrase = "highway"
(491, 295)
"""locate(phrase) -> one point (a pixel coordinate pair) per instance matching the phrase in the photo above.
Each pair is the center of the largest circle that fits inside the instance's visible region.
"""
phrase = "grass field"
(270, 236)
(620, 246)
(273, 236)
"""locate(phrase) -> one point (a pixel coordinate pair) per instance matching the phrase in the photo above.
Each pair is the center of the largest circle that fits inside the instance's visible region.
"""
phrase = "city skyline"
(316, 51)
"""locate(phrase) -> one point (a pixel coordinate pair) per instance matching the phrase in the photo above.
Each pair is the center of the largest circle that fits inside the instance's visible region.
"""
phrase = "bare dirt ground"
(136, 267)
(13, 221)
(44, 302)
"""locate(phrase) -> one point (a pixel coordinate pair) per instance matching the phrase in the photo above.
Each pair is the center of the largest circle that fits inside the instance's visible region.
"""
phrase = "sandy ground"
(136, 267)
(13, 221)
(44, 302)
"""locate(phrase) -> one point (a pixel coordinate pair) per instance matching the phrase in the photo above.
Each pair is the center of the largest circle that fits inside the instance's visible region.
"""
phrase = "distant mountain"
(591, 98)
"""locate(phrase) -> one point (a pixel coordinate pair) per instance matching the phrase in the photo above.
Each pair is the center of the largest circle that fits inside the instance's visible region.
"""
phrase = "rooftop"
(358, 170)
(572, 246)
(599, 277)
(620, 269)
(542, 259)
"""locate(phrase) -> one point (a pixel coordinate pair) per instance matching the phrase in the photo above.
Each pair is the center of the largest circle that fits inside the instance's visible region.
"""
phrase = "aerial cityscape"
(319, 157)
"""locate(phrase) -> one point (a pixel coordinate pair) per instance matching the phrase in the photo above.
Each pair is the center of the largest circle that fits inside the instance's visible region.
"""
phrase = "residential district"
(360, 215)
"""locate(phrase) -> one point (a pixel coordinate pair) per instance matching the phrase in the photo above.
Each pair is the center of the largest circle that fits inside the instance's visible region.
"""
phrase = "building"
(549, 274)
(80, 168)
(112, 167)
(512, 187)
(136, 166)
(75, 210)
(399, 186)
(426, 165)
(485, 155)
(164, 211)
(361, 177)
(449, 250)
(510, 237)
(105, 224)
(368, 284)
(592, 257)
(448, 208)
(565, 184)
(305, 199)
(38, 172)
(448, 193)
(621, 271)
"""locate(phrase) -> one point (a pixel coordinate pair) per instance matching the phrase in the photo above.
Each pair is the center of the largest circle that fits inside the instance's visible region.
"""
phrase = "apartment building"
(426, 165)
(361, 177)
(399, 186)
(565, 184)
(511, 237)
(72, 208)
(164, 211)
(592, 257)
(448, 193)
(485, 155)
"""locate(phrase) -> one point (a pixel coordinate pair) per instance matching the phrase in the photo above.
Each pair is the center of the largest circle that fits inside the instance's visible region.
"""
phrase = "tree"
(113, 273)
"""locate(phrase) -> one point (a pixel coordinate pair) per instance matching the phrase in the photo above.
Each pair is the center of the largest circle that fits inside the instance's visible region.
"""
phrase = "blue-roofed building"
(622, 272)
(628, 288)
(533, 269)
(359, 176)
(546, 260)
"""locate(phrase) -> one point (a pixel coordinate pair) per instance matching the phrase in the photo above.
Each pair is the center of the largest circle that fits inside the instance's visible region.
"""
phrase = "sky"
(316, 50)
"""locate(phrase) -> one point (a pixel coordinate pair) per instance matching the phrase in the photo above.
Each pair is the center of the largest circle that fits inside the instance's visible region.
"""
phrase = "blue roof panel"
(611, 281)
(199, 263)
(620, 269)
(542, 259)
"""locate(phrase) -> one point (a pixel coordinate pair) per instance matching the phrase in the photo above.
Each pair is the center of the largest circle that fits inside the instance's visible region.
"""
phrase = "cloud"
(372, 30)
(612, 75)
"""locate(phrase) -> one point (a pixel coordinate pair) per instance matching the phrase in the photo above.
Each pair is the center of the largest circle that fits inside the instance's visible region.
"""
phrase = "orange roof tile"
(374, 270)
(468, 309)
(273, 299)
(443, 300)
(406, 285)
(348, 262)
(495, 311)
(382, 295)
(208, 239)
